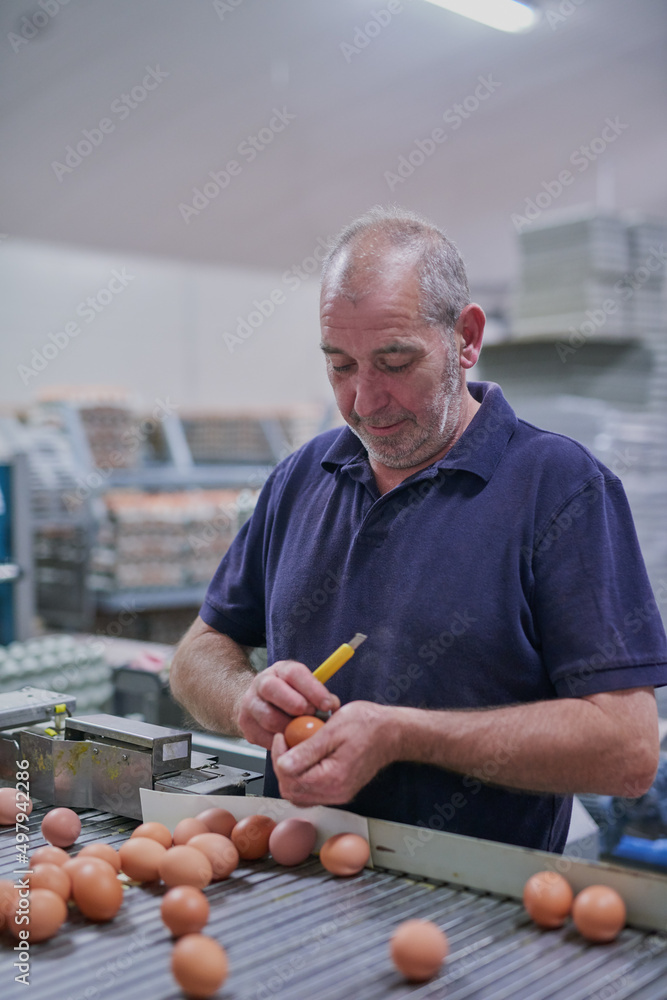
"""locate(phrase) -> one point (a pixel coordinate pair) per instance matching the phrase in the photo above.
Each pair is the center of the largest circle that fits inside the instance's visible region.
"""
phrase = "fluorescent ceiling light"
(506, 15)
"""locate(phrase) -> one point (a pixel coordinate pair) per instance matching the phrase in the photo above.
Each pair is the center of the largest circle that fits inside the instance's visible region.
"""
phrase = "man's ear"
(470, 328)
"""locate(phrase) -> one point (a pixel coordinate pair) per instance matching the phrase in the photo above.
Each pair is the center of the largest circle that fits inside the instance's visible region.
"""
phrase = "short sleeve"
(597, 618)
(235, 600)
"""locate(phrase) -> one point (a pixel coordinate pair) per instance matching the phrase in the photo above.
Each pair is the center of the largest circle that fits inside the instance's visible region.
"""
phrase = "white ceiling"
(226, 74)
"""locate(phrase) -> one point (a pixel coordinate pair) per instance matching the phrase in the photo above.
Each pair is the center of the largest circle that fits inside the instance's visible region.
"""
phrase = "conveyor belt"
(301, 934)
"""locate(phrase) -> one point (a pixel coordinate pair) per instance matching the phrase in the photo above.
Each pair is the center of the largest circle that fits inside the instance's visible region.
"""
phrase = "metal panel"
(31, 705)
(504, 869)
(82, 774)
(168, 748)
(9, 754)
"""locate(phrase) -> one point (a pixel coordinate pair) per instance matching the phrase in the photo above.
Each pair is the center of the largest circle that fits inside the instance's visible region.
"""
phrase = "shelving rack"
(70, 489)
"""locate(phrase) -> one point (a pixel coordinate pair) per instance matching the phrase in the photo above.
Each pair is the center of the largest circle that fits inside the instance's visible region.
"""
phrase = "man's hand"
(605, 743)
(276, 695)
(331, 766)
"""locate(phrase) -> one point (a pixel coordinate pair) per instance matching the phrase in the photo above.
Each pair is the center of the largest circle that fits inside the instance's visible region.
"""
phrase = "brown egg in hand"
(301, 728)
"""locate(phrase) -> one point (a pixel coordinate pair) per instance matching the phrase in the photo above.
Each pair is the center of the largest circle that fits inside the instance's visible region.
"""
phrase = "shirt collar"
(478, 450)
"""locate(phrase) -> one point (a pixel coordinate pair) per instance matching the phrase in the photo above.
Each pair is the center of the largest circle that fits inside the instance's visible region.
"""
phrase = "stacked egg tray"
(304, 934)
(172, 539)
(60, 663)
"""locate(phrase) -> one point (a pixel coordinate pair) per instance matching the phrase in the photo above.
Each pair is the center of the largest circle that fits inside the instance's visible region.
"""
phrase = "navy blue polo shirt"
(507, 572)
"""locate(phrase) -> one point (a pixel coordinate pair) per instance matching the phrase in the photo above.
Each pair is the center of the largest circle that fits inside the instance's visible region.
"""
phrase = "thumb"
(278, 747)
(306, 754)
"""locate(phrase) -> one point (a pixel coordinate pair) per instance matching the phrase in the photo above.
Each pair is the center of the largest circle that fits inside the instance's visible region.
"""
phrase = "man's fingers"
(292, 687)
(319, 785)
(286, 689)
(274, 689)
(266, 715)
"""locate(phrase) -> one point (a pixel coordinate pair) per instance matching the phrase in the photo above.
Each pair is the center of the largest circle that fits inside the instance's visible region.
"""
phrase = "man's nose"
(371, 393)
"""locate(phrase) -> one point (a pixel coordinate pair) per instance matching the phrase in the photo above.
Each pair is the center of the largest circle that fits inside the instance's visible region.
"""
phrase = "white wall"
(168, 329)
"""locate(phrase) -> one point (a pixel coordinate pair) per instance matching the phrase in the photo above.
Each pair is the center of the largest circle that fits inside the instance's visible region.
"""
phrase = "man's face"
(398, 382)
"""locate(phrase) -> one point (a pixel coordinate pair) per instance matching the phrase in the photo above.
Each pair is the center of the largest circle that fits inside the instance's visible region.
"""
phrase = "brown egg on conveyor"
(49, 853)
(8, 900)
(301, 728)
(7, 893)
(49, 876)
(292, 841)
(219, 850)
(72, 865)
(185, 865)
(96, 889)
(103, 851)
(184, 910)
(140, 858)
(155, 831)
(188, 828)
(218, 820)
(61, 827)
(547, 897)
(251, 835)
(599, 913)
(345, 853)
(48, 912)
(418, 948)
(11, 803)
(199, 965)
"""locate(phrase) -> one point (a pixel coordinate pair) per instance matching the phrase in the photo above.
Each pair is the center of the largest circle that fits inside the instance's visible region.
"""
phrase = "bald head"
(385, 244)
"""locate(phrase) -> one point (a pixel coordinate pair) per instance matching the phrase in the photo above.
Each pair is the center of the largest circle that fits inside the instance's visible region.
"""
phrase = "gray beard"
(440, 431)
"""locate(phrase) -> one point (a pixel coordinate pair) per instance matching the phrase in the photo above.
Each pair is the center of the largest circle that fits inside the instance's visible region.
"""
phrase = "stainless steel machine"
(101, 761)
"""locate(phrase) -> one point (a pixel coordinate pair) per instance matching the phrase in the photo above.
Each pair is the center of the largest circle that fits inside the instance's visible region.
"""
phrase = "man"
(513, 640)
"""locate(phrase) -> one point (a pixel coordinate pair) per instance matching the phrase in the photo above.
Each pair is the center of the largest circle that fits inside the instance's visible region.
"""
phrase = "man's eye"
(341, 368)
(397, 368)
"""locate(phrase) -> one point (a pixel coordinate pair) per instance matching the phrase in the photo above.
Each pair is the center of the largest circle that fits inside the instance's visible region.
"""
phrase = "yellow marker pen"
(338, 658)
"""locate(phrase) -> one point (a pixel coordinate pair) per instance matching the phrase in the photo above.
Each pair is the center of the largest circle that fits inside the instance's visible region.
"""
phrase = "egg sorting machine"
(102, 761)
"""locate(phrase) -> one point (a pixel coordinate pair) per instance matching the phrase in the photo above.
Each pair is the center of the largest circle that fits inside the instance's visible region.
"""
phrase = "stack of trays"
(165, 539)
(648, 254)
(59, 663)
(594, 275)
